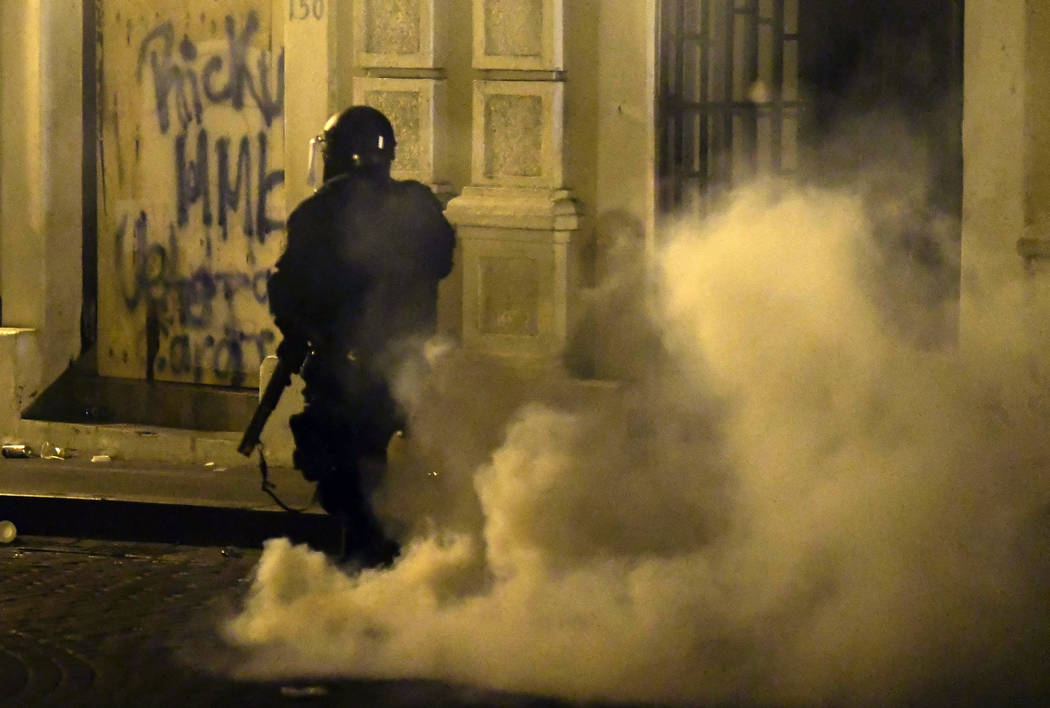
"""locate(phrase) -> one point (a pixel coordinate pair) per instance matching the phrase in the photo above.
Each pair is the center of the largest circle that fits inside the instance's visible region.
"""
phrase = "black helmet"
(358, 137)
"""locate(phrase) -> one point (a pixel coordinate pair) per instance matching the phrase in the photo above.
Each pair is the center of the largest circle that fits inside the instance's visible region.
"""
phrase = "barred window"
(728, 95)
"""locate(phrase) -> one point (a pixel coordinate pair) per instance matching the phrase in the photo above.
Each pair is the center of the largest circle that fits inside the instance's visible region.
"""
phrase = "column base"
(518, 255)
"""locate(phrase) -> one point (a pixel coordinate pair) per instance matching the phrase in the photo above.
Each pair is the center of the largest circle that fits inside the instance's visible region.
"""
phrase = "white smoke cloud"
(800, 504)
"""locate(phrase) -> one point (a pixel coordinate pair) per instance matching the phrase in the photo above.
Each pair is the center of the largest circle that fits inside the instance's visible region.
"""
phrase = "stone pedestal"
(517, 223)
(518, 256)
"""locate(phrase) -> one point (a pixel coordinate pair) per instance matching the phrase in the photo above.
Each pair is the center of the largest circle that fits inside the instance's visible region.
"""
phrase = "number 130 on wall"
(305, 9)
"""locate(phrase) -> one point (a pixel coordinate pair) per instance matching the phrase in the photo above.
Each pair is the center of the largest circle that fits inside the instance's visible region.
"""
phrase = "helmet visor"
(316, 147)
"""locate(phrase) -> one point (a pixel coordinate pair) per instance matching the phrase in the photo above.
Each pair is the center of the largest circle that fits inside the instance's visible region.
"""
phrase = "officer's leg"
(373, 421)
(323, 455)
(375, 547)
(340, 443)
(316, 451)
(345, 479)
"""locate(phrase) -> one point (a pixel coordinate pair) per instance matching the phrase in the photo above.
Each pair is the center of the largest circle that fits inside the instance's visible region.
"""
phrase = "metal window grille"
(728, 95)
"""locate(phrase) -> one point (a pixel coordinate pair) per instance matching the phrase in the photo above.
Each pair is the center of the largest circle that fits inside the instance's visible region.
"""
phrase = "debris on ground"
(16, 450)
(53, 452)
(304, 691)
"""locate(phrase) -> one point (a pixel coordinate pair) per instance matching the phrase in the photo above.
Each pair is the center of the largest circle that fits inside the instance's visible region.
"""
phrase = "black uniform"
(358, 281)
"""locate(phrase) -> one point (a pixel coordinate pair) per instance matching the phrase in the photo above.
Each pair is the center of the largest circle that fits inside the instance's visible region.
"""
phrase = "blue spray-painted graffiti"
(178, 74)
(186, 302)
(193, 184)
(222, 180)
(177, 78)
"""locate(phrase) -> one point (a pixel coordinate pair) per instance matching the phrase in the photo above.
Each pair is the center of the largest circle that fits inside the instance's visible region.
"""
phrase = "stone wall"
(996, 140)
(40, 195)
(190, 214)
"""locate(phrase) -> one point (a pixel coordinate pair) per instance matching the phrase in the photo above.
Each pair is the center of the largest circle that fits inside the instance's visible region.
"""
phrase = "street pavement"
(127, 623)
(115, 589)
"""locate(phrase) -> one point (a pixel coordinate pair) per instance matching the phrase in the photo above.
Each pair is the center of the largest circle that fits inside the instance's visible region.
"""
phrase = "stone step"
(170, 485)
(77, 397)
(152, 421)
(206, 485)
(67, 517)
(127, 441)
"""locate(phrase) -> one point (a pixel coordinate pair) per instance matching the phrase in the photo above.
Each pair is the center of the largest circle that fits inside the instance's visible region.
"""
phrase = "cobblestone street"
(114, 623)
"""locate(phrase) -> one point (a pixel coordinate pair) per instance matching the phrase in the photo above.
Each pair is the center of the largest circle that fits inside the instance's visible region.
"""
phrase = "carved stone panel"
(515, 136)
(509, 291)
(518, 134)
(509, 288)
(415, 107)
(524, 35)
(516, 290)
(398, 33)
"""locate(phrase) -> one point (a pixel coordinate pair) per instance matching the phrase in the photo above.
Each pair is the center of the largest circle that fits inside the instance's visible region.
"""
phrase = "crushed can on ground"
(16, 450)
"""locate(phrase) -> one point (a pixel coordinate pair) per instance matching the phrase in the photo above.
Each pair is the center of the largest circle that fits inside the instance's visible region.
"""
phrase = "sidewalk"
(160, 483)
(186, 485)
(162, 502)
(152, 482)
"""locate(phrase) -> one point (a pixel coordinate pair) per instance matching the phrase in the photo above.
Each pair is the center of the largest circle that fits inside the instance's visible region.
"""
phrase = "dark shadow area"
(882, 84)
(89, 177)
(166, 523)
(895, 57)
(877, 112)
(79, 395)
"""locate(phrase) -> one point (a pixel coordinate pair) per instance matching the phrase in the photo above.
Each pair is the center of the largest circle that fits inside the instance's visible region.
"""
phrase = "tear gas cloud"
(800, 501)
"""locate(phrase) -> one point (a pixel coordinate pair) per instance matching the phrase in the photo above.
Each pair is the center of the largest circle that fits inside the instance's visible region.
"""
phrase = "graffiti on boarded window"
(191, 188)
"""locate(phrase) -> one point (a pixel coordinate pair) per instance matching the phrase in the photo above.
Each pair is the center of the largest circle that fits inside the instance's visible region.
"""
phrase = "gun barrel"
(282, 377)
(251, 434)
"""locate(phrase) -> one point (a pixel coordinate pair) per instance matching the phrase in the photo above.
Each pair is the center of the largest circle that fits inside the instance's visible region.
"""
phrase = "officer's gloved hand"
(293, 351)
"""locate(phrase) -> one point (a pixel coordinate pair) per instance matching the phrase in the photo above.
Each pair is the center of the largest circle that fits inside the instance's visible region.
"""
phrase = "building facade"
(152, 150)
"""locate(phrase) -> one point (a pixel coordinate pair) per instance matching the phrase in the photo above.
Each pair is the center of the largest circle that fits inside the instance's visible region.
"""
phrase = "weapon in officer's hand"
(290, 357)
(291, 353)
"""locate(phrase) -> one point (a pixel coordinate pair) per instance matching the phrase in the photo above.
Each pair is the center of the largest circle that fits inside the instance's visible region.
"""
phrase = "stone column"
(398, 54)
(993, 139)
(1006, 190)
(307, 68)
(40, 198)
(1006, 126)
(517, 222)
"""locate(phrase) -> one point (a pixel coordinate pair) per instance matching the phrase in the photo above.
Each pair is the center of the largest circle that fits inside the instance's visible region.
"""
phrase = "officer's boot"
(363, 542)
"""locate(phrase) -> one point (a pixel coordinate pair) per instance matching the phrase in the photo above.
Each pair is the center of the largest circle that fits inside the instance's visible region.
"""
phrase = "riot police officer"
(357, 286)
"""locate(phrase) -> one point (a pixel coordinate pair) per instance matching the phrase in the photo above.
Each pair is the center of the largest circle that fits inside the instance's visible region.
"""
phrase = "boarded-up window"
(190, 190)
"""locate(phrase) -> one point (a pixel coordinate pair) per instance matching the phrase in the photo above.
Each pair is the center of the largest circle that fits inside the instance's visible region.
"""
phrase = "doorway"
(830, 92)
(729, 101)
(190, 129)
